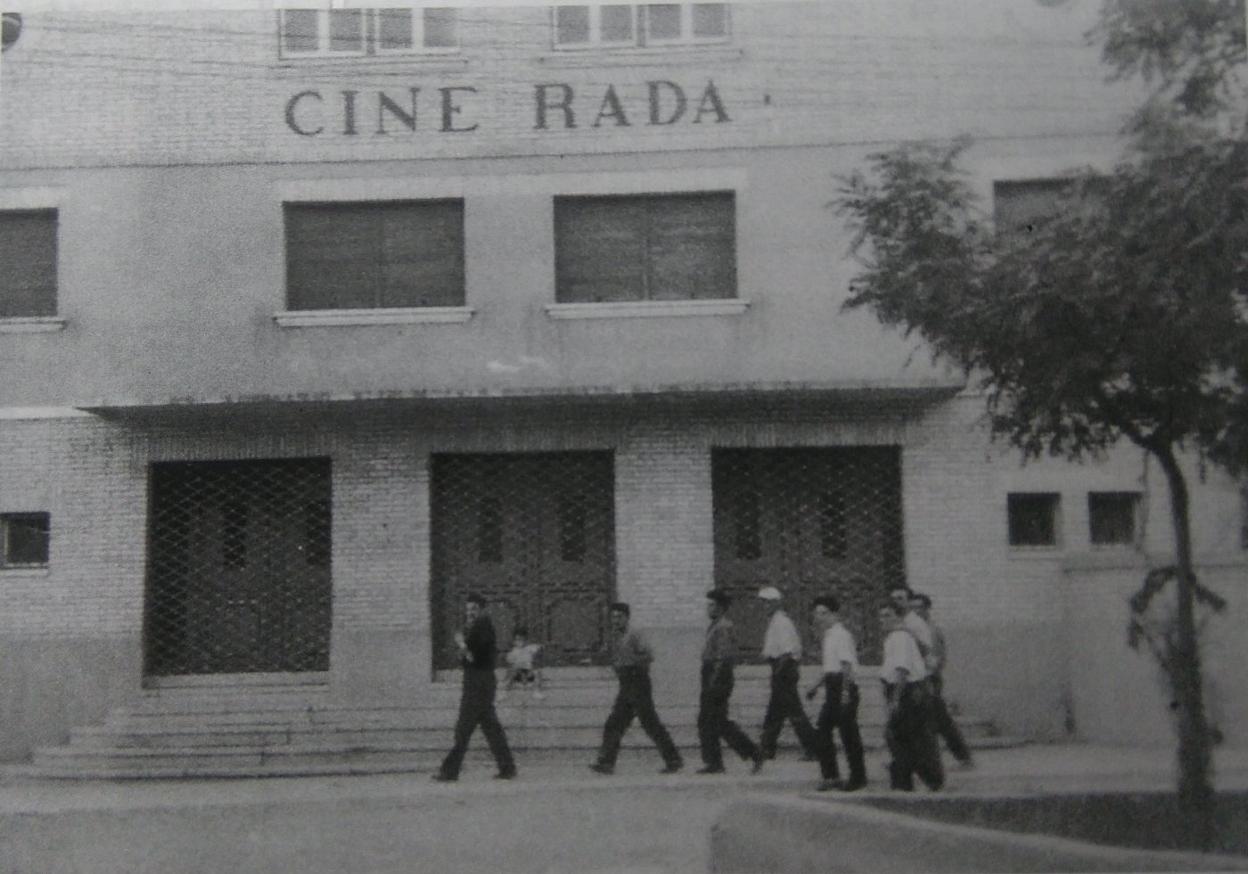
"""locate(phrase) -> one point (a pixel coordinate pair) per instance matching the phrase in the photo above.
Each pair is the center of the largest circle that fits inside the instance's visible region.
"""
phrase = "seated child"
(522, 667)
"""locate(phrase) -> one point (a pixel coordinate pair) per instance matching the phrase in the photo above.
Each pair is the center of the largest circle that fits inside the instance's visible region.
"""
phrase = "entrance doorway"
(809, 522)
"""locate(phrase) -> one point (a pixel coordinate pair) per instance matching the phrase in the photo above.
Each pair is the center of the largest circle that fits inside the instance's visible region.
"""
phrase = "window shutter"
(600, 246)
(692, 247)
(28, 263)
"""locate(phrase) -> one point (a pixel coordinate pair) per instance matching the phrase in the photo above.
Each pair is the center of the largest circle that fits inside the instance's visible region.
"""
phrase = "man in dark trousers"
(631, 657)
(840, 701)
(782, 647)
(478, 651)
(718, 656)
(908, 731)
(936, 658)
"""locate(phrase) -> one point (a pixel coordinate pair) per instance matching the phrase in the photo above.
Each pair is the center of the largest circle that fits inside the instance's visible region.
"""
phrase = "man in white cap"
(782, 647)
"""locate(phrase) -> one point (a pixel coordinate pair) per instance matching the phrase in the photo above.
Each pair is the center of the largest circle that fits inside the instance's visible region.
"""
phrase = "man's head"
(770, 596)
(900, 595)
(520, 636)
(890, 616)
(619, 616)
(826, 610)
(717, 603)
(921, 604)
(474, 606)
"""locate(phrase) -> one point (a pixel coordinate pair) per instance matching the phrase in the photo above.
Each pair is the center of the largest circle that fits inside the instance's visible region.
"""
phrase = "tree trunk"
(1195, 750)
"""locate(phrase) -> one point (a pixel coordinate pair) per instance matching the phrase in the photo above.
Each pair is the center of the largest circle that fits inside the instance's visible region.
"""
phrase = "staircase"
(297, 730)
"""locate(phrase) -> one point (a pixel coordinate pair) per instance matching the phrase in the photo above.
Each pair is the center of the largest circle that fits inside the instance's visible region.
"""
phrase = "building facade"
(314, 320)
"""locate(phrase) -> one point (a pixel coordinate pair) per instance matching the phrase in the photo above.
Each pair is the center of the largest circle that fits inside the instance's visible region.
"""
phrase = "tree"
(1121, 313)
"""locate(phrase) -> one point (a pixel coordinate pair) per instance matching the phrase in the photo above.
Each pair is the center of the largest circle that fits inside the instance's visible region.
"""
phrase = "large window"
(652, 24)
(363, 32)
(24, 539)
(374, 255)
(27, 263)
(1033, 518)
(645, 247)
(1111, 517)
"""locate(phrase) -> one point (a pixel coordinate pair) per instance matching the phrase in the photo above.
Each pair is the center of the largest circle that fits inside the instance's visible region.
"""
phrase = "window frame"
(53, 214)
(1136, 501)
(377, 312)
(6, 521)
(641, 37)
(645, 200)
(1053, 501)
(370, 37)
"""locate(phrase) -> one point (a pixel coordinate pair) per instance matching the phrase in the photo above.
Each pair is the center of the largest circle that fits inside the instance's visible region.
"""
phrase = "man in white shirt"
(840, 701)
(782, 647)
(909, 728)
(943, 724)
(912, 621)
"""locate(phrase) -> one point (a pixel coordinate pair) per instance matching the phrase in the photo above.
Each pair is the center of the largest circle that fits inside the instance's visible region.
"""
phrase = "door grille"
(238, 576)
(534, 534)
(809, 522)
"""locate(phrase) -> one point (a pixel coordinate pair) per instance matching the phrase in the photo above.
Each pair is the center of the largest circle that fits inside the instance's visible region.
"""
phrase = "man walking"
(840, 699)
(718, 656)
(908, 729)
(478, 651)
(942, 722)
(631, 657)
(782, 647)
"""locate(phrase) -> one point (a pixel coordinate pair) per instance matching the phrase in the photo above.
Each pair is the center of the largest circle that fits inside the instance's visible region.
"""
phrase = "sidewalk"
(1037, 768)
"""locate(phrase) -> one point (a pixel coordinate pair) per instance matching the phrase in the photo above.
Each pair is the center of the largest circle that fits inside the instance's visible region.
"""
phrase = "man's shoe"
(759, 758)
(505, 775)
(830, 784)
(853, 785)
(444, 778)
(600, 768)
(672, 767)
(709, 769)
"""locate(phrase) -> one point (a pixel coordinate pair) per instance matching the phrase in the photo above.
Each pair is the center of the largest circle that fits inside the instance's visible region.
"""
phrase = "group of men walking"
(911, 673)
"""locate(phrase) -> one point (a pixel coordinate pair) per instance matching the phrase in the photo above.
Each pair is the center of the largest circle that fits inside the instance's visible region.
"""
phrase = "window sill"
(29, 571)
(299, 68)
(601, 56)
(1036, 553)
(387, 316)
(31, 325)
(646, 309)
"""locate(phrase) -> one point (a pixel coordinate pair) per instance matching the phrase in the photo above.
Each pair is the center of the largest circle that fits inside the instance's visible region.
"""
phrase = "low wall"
(782, 835)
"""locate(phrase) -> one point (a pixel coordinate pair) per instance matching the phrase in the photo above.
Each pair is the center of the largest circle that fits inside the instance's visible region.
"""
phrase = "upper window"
(376, 254)
(1111, 517)
(23, 540)
(1033, 518)
(362, 32)
(652, 24)
(27, 263)
(645, 247)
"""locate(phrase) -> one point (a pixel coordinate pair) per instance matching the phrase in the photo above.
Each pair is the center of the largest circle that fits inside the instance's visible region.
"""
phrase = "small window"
(1033, 518)
(366, 32)
(645, 247)
(1111, 517)
(374, 255)
(653, 24)
(24, 540)
(27, 263)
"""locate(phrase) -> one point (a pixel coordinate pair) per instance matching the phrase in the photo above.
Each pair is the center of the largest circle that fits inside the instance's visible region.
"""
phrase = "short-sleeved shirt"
(520, 658)
(838, 647)
(630, 650)
(901, 651)
(781, 638)
(721, 642)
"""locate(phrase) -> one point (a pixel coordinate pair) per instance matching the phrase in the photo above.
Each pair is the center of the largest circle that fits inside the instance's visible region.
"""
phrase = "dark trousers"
(911, 741)
(842, 716)
(943, 723)
(476, 707)
(784, 703)
(635, 699)
(714, 724)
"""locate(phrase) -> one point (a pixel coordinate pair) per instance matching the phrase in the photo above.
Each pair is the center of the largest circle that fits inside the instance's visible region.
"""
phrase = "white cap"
(769, 593)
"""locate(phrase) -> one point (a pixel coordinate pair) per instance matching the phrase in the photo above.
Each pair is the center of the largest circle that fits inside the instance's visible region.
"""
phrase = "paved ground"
(556, 817)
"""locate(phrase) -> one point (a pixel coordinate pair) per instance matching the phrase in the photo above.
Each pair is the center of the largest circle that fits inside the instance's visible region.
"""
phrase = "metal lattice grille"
(532, 533)
(238, 575)
(810, 522)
